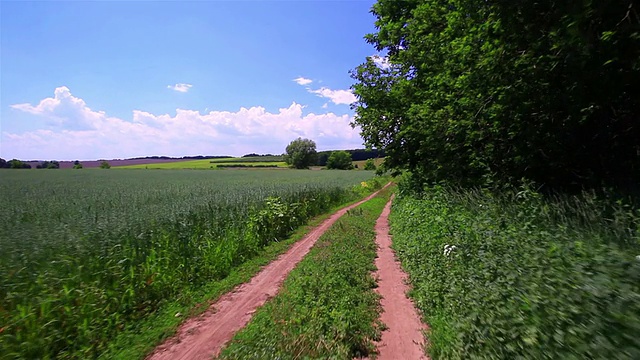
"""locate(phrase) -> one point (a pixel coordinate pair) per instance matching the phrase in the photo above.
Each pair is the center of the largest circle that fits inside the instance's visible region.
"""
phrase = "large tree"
(301, 153)
(498, 91)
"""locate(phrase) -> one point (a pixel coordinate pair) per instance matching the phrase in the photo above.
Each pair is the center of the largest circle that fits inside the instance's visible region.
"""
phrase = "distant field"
(360, 163)
(275, 161)
(251, 159)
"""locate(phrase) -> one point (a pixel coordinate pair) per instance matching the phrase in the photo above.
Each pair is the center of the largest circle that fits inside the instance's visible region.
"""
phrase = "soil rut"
(205, 336)
(403, 337)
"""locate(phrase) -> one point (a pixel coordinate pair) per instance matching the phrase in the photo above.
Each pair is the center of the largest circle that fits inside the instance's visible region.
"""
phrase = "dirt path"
(403, 337)
(204, 336)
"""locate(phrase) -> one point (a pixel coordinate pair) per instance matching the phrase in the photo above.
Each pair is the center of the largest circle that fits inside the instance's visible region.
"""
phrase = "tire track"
(205, 336)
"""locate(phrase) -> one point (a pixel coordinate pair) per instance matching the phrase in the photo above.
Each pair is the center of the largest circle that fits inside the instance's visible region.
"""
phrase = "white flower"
(638, 257)
(448, 249)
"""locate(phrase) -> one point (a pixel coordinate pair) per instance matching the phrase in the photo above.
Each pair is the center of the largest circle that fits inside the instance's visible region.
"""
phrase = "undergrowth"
(327, 307)
(522, 276)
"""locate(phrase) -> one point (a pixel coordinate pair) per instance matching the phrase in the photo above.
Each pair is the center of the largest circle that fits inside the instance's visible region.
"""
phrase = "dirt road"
(204, 336)
(403, 337)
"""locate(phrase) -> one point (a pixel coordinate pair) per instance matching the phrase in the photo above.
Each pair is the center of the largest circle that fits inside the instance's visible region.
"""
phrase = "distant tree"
(3, 163)
(301, 153)
(340, 160)
(17, 164)
(53, 164)
(479, 92)
(370, 165)
(77, 165)
(105, 165)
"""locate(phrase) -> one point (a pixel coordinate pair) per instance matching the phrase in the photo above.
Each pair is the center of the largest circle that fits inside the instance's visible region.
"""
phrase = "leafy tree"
(53, 164)
(301, 153)
(3, 163)
(478, 92)
(340, 160)
(17, 164)
(105, 165)
(369, 165)
(77, 164)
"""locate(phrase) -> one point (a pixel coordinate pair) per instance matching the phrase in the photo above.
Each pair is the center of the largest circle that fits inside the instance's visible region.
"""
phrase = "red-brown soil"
(204, 336)
(402, 338)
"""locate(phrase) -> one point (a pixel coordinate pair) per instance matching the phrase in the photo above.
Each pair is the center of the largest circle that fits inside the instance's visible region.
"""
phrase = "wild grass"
(517, 275)
(327, 307)
(84, 255)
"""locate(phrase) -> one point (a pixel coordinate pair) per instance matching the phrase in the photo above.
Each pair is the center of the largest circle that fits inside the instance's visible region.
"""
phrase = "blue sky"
(88, 80)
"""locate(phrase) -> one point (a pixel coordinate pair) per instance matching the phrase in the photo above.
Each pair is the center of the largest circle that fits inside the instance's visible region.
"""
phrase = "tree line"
(491, 92)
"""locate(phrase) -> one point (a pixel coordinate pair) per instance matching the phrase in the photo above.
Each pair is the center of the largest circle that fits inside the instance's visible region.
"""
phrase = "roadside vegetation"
(87, 255)
(519, 275)
(469, 100)
(327, 307)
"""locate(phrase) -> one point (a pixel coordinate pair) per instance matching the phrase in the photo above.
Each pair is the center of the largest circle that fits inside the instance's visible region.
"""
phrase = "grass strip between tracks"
(327, 307)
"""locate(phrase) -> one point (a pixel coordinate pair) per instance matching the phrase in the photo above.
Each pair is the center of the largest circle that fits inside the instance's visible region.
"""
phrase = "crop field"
(360, 163)
(86, 253)
(259, 161)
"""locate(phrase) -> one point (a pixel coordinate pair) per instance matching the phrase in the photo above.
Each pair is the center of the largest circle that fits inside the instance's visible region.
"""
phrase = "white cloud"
(381, 61)
(325, 105)
(82, 133)
(303, 81)
(65, 110)
(181, 87)
(336, 96)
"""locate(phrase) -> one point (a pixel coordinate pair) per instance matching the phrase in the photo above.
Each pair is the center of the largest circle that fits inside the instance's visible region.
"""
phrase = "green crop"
(84, 255)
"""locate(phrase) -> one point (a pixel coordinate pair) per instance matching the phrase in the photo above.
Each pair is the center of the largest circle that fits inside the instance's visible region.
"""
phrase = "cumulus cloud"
(181, 87)
(303, 81)
(65, 110)
(336, 96)
(188, 132)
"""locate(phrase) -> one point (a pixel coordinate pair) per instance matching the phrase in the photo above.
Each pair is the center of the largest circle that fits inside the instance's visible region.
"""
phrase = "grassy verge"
(140, 338)
(327, 307)
(520, 276)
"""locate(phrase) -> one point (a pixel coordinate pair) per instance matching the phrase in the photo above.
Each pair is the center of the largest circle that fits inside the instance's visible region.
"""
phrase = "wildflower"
(364, 184)
(448, 249)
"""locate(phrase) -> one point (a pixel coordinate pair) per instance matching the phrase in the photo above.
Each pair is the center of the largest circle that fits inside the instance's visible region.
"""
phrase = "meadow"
(85, 254)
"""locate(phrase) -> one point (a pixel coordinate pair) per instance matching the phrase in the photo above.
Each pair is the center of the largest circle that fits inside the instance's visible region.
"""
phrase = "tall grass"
(520, 275)
(85, 254)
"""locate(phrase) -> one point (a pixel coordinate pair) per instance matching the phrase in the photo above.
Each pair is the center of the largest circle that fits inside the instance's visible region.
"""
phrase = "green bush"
(370, 165)
(340, 160)
(518, 275)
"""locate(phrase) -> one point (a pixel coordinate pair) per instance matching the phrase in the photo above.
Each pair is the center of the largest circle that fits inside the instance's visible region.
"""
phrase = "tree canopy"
(480, 92)
(340, 160)
(301, 153)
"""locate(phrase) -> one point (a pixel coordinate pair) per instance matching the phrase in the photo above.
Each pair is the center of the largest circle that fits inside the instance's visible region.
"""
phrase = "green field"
(360, 163)
(85, 254)
(271, 161)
